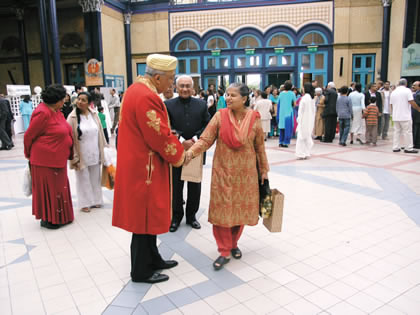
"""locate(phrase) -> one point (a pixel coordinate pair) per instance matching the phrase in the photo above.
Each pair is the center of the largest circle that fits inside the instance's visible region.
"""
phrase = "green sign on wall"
(250, 51)
(279, 50)
(215, 52)
(312, 48)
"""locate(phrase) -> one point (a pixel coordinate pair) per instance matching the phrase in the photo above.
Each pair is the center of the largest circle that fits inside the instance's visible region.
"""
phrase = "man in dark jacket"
(6, 142)
(189, 117)
(330, 113)
(416, 116)
(372, 91)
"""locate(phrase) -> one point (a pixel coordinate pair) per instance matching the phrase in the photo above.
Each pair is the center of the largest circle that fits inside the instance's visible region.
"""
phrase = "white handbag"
(27, 181)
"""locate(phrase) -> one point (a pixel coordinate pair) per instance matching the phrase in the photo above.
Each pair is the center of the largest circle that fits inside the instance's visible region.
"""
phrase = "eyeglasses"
(185, 86)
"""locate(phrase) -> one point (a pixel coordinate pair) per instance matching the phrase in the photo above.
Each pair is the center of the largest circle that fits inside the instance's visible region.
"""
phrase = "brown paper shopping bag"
(274, 222)
(193, 172)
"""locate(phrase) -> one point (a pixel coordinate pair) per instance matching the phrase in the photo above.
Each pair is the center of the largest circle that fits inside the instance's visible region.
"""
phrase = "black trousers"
(416, 135)
(193, 197)
(106, 135)
(330, 123)
(145, 257)
(4, 137)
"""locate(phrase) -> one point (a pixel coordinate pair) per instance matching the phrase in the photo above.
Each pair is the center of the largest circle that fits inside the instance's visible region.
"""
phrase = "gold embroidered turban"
(161, 62)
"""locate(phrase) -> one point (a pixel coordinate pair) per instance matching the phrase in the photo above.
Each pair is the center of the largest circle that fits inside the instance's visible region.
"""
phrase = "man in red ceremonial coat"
(146, 151)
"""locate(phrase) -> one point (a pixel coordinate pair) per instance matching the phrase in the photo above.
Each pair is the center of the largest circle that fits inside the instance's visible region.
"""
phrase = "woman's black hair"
(343, 90)
(53, 94)
(243, 90)
(263, 95)
(288, 85)
(220, 92)
(26, 98)
(309, 89)
(358, 87)
(78, 112)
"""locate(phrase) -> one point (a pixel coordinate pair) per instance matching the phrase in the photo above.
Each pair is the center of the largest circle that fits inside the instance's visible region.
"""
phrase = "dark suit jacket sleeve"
(205, 116)
(169, 106)
(367, 99)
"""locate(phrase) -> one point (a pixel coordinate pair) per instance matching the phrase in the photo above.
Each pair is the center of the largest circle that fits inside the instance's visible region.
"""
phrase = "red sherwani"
(146, 148)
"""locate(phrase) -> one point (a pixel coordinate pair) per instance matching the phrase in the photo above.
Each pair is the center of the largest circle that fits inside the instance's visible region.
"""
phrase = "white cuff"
(181, 139)
(195, 138)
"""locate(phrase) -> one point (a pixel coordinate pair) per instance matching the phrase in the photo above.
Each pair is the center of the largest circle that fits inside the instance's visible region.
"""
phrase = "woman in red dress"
(48, 145)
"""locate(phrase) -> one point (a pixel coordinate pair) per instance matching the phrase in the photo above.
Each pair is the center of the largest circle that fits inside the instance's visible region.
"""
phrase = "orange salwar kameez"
(234, 195)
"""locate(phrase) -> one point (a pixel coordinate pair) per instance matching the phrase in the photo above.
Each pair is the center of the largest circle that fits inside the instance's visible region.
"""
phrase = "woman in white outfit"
(357, 99)
(88, 147)
(306, 121)
(263, 107)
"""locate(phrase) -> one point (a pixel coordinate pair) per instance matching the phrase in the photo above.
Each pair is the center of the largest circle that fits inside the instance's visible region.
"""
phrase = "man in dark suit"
(372, 90)
(416, 116)
(330, 113)
(189, 117)
(6, 141)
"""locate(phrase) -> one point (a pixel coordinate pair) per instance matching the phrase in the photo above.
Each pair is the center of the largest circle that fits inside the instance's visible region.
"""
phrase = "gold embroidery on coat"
(170, 149)
(150, 168)
(154, 120)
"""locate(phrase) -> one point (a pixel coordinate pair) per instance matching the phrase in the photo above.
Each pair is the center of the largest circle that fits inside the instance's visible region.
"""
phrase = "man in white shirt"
(386, 110)
(401, 99)
(115, 104)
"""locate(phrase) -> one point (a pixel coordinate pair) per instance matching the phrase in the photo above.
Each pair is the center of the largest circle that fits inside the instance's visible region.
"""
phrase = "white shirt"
(89, 141)
(210, 100)
(263, 106)
(401, 108)
(386, 101)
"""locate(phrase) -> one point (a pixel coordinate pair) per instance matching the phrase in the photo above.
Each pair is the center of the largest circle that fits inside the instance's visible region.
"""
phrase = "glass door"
(364, 69)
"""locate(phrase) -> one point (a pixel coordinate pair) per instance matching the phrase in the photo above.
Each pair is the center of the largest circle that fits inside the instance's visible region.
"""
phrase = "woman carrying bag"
(89, 142)
(234, 196)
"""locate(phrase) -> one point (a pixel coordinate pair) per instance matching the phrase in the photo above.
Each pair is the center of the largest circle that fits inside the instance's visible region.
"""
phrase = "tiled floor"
(350, 245)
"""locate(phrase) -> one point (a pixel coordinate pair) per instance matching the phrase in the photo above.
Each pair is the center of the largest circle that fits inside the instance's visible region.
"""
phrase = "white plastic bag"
(27, 181)
(110, 156)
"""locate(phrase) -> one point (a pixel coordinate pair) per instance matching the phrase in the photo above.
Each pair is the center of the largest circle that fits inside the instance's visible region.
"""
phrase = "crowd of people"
(160, 131)
(314, 113)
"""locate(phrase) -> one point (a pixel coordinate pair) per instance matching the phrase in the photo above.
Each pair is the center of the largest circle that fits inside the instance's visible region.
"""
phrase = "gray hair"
(243, 90)
(402, 81)
(331, 84)
(184, 76)
(152, 72)
(318, 90)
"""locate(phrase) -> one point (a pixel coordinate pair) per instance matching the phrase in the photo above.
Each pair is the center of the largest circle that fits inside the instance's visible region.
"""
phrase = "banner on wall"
(18, 90)
(94, 74)
(411, 61)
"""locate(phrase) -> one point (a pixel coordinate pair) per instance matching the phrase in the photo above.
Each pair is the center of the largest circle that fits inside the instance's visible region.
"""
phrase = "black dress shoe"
(411, 151)
(155, 278)
(194, 224)
(49, 225)
(174, 226)
(396, 150)
(168, 264)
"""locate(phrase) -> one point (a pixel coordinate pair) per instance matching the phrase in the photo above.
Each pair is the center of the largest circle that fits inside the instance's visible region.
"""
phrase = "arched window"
(187, 44)
(279, 40)
(313, 38)
(217, 43)
(247, 41)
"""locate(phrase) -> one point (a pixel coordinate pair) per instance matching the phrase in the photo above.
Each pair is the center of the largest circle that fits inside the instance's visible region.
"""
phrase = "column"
(23, 47)
(385, 39)
(55, 43)
(44, 43)
(127, 35)
(93, 28)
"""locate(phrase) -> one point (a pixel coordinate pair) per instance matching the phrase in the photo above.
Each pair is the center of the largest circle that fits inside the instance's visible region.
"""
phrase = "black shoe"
(155, 278)
(236, 253)
(49, 225)
(168, 264)
(396, 150)
(174, 226)
(360, 141)
(344, 144)
(318, 138)
(195, 224)
(285, 145)
(351, 142)
(326, 141)
(411, 151)
(7, 147)
(219, 262)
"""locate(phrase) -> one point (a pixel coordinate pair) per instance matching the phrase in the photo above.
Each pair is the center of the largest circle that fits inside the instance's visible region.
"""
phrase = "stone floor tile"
(344, 308)
(261, 305)
(322, 299)
(221, 301)
(199, 307)
(302, 306)
(365, 302)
